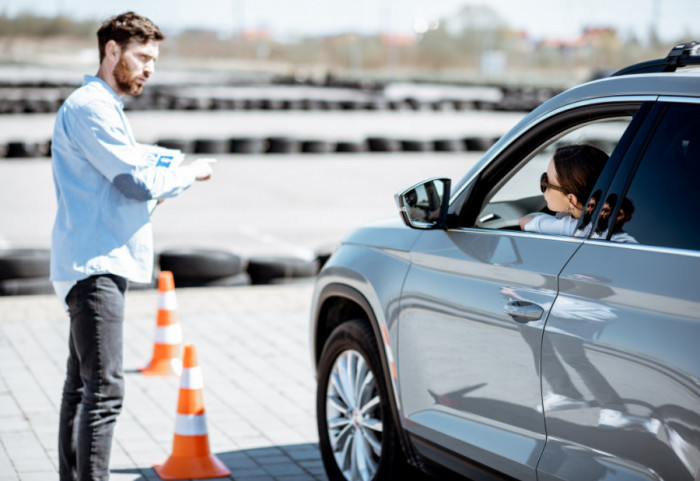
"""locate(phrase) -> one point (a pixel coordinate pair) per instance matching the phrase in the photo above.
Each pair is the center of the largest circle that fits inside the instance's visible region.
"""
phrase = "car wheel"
(357, 434)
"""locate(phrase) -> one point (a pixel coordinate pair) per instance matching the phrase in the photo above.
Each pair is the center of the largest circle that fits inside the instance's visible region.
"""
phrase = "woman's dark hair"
(578, 167)
(125, 27)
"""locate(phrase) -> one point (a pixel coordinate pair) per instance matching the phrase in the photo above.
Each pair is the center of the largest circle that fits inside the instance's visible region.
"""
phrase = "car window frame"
(622, 180)
(464, 206)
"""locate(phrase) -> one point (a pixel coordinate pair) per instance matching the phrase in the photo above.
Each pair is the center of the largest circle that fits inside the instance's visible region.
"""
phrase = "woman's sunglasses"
(544, 184)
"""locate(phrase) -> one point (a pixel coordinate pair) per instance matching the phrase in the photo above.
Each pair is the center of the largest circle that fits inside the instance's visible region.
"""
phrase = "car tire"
(351, 352)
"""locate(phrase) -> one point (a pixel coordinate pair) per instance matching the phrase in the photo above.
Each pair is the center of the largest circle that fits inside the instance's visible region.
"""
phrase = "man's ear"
(113, 50)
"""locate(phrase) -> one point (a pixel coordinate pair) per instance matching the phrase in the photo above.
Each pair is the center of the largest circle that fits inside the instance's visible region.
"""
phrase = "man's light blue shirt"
(103, 185)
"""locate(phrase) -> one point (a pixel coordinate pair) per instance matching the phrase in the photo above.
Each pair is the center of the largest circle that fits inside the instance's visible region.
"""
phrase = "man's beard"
(126, 81)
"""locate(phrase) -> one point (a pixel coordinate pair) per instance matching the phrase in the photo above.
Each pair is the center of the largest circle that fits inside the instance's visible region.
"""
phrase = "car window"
(518, 193)
(661, 204)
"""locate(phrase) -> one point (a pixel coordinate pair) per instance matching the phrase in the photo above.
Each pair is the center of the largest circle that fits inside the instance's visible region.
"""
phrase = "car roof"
(650, 86)
(682, 83)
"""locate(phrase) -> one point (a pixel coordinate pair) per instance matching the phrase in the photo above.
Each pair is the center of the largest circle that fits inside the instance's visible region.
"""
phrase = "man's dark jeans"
(94, 386)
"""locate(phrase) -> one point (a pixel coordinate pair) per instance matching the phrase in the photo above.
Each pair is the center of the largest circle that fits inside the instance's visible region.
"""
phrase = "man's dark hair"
(578, 167)
(124, 28)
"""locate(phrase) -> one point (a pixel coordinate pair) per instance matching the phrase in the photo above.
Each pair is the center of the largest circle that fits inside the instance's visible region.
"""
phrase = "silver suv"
(454, 340)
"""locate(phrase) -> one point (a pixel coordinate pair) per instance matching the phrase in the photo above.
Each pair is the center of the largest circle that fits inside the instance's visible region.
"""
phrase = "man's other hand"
(203, 168)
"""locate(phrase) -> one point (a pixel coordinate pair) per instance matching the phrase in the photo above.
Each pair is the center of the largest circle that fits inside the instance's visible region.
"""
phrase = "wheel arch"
(339, 303)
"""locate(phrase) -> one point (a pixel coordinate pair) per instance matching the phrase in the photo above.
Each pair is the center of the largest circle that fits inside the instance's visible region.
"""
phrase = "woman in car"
(566, 185)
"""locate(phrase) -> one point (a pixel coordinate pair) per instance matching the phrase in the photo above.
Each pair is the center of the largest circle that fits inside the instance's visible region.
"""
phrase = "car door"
(625, 328)
(475, 301)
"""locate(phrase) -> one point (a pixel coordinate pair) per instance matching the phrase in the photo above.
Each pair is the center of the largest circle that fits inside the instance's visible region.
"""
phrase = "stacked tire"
(24, 272)
(194, 267)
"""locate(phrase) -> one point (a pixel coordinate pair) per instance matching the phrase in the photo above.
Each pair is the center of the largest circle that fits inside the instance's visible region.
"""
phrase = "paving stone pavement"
(258, 384)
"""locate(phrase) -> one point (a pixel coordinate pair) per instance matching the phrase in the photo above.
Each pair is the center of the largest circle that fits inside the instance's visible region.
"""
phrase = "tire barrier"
(383, 144)
(17, 97)
(479, 144)
(24, 272)
(349, 146)
(283, 145)
(21, 149)
(272, 269)
(24, 263)
(416, 145)
(317, 146)
(199, 267)
(448, 145)
(211, 146)
(247, 146)
(279, 145)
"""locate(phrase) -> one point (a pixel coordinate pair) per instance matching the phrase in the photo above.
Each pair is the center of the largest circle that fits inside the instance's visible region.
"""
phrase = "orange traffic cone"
(191, 458)
(167, 348)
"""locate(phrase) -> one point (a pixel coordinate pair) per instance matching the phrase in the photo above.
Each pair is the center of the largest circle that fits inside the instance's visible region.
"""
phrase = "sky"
(564, 19)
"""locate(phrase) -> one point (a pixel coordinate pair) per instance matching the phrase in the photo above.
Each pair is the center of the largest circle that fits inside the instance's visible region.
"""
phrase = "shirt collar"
(92, 78)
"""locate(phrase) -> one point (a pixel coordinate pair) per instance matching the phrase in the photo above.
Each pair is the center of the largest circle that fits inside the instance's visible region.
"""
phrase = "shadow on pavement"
(298, 462)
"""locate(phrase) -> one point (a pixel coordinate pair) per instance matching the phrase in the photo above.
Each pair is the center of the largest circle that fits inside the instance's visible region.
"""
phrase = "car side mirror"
(424, 206)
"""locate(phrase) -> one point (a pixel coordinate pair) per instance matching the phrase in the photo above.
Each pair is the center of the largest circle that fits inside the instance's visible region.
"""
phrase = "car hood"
(385, 234)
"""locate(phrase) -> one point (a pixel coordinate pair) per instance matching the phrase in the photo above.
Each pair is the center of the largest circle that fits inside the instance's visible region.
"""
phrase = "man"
(102, 236)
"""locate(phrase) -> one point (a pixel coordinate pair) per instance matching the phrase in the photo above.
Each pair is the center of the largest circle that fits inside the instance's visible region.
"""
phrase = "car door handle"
(523, 311)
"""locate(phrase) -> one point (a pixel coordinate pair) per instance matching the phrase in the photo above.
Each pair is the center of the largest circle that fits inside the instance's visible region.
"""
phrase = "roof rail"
(681, 55)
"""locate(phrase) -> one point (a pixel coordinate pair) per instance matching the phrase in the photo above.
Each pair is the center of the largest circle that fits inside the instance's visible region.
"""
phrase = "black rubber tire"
(200, 264)
(283, 145)
(357, 336)
(211, 146)
(263, 270)
(24, 263)
(448, 145)
(317, 146)
(247, 146)
(350, 146)
(242, 279)
(478, 144)
(26, 287)
(416, 145)
(381, 144)
(22, 149)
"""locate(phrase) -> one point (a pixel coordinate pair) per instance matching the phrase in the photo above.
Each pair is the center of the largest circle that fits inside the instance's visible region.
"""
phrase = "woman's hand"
(524, 220)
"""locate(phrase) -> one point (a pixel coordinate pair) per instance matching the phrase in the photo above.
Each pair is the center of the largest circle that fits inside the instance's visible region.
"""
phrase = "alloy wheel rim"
(353, 417)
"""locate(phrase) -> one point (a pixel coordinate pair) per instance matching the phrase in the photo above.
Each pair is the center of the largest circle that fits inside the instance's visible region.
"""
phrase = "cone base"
(165, 368)
(192, 468)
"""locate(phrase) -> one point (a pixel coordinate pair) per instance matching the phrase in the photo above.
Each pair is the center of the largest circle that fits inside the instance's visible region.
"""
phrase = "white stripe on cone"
(191, 378)
(167, 301)
(190, 424)
(171, 334)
